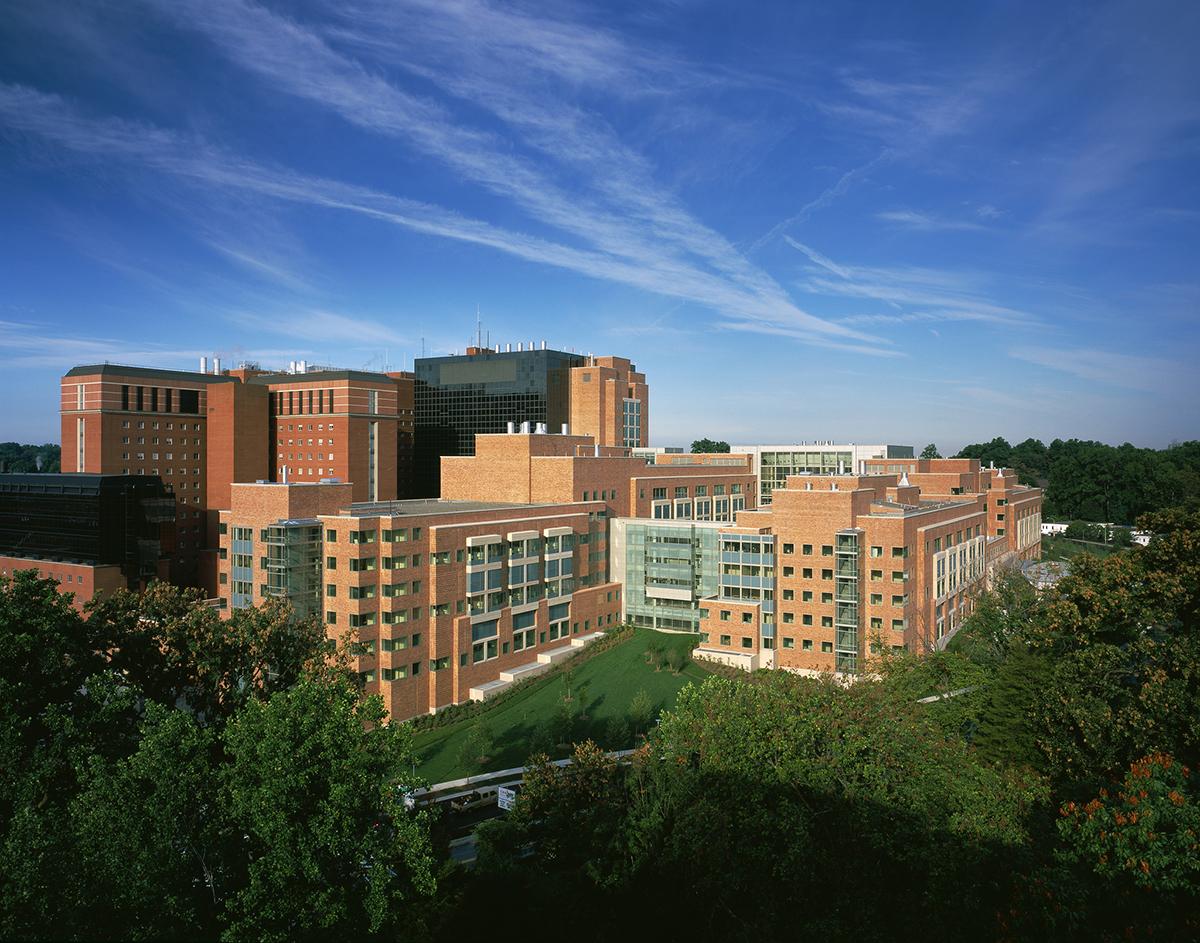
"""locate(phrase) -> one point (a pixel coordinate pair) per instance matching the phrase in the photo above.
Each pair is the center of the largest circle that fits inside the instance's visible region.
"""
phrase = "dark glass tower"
(481, 392)
(128, 520)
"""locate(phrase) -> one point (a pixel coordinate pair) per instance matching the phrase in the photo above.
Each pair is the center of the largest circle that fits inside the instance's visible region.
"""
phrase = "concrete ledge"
(581, 640)
(492, 688)
(521, 672)
(733, 659)
(557, 654)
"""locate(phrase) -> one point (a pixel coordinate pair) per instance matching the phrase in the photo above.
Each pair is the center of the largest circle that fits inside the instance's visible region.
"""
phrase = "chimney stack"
(204, 365)
(566, 429)
(216, 366)
(512, 427)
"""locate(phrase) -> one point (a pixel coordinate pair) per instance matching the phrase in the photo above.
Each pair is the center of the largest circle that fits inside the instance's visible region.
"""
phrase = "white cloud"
(923, 222)
(917, 294)
(1151, 374)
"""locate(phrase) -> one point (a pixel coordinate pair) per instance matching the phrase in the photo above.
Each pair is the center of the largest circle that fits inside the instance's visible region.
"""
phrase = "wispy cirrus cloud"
(923, 222)
(1150, 374)
(915, 294)
(756, 298)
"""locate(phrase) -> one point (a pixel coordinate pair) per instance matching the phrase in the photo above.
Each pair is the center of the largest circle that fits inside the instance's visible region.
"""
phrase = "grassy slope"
(611, 678)
(1059, 548)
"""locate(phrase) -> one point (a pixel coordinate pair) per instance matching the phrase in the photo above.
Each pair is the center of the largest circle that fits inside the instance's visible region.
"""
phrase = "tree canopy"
(1091, 481)
(709, 445)
(15, 457)
(203, 777)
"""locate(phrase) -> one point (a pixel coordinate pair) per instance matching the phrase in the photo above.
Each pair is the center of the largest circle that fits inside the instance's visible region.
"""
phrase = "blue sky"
(867, 222)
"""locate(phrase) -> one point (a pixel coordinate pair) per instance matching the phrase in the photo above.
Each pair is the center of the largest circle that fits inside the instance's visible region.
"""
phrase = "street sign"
(506, 798)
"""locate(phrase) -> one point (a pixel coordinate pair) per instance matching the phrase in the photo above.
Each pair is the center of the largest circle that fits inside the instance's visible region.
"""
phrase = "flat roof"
(319, 376)
(423, 507)
(153, 373)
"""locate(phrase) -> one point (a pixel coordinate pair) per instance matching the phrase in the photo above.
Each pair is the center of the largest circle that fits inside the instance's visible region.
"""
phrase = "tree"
(930, 451)
(709, 445)
(177, 649)
(641, 712)
(315, 784)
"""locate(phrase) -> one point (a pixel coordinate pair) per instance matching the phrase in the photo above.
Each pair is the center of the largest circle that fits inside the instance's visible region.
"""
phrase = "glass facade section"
(293, 552)
(456, 398)
(847, 587)
(748, 574)
(777, 466)
(666, 569)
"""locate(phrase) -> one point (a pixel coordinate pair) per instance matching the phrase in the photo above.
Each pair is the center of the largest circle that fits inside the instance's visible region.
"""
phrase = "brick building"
(840, 566)
(455, 598)
(202, 431)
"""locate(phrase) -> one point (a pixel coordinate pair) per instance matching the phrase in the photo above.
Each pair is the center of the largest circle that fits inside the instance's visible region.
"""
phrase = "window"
(876, 599)
(827, 647)
(789, 548)
(897, 625)
(331, 563)
(747, 617)
(826, 597)
(808, 549)
(897, 600)
(789, 642)
(807, 573)
(899, 551)
(726, 640)
(747, 641)
(827, 622)
(806, 596)
(330, 589)
(789, 571)
(806, 619)
(725, 615)
(806, 645)
(827, 550)
(789, 594)
(789, 617)
(899, 576)
(331, 536)
(877, 551)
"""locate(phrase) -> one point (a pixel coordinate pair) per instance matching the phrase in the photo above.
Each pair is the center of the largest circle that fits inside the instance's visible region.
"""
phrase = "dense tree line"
(169, 775)
(709, 445)
(15, 457)
(1092, 481)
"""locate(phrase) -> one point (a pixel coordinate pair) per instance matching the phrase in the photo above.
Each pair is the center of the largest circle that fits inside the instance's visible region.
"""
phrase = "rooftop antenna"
(478, 327)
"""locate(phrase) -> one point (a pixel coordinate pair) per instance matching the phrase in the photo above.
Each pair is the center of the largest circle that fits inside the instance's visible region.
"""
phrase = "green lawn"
(604, 686)
(1059, 548)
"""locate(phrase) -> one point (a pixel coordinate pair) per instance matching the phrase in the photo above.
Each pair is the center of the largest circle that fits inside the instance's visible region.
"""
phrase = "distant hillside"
(15, 457)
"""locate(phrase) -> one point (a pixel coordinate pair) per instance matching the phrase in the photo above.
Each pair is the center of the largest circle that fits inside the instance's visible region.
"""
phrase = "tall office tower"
(610, 401)
(344, 424)
(197, 431)
(92, 533)
(483, 390)
(202, 431)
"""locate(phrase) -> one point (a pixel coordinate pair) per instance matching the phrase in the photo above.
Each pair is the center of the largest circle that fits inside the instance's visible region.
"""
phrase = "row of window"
(681, 491)
(183, 426)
